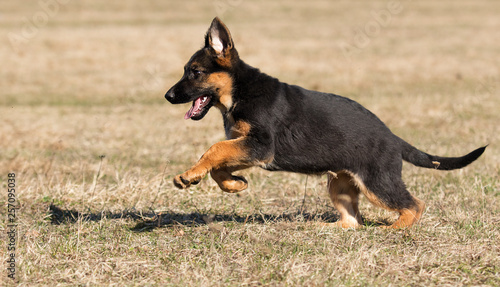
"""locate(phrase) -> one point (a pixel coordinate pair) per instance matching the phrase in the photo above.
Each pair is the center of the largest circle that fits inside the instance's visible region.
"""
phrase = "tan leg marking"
(344, 191)
(344, 194)
(228, 182)
(230, 153)
(408, 217)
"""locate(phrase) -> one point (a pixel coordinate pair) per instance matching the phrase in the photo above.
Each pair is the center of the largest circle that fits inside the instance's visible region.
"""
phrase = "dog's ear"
(219, 38)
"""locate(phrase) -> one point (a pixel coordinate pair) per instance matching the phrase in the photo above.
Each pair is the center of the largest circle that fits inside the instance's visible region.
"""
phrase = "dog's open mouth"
(199, 108)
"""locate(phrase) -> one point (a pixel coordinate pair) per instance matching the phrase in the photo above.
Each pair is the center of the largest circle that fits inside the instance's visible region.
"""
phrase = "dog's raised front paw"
(181, 181)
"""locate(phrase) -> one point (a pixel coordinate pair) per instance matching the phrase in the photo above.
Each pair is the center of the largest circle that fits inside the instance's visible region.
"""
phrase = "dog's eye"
(196, 72)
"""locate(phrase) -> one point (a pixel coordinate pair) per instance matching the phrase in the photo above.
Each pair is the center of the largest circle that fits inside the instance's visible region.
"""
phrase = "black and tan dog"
(282, 127)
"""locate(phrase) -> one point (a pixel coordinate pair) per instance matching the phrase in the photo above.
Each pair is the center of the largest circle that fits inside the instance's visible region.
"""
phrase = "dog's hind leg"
(344, 194)
(409, 216)
(397, 198)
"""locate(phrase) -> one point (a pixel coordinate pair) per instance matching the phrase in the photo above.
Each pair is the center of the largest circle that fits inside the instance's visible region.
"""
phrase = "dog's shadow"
(149, 220)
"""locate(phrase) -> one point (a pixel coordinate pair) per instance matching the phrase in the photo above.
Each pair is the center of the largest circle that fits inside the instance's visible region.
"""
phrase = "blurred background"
(92, 52)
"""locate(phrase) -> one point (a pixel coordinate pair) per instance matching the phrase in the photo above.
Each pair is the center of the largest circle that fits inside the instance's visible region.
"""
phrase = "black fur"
(306, 131)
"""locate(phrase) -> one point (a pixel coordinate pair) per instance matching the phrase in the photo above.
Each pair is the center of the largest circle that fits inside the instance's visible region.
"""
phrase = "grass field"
(94, 145)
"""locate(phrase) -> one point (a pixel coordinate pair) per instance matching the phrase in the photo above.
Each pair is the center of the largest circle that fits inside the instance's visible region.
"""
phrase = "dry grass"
(90, 82)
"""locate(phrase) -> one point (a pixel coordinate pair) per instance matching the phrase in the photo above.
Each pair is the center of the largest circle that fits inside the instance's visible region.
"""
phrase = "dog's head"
(207, 79)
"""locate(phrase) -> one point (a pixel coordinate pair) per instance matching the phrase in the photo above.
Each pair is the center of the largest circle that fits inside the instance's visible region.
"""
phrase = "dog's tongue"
(194, 108)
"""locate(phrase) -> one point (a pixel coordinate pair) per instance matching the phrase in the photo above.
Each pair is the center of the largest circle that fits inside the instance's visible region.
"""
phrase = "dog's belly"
(302, 165)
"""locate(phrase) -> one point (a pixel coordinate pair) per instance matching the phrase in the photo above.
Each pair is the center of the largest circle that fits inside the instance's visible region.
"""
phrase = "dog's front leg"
(226, 154)
(228, 182)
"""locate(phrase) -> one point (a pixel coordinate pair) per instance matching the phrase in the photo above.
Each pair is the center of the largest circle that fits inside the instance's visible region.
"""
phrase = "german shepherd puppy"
(278, 126)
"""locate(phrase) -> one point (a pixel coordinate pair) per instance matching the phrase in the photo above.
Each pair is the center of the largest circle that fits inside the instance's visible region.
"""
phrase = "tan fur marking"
(366, 192)
(345, 186)
(223, 84)
(374, 199)
(221, 160)
(239, 129)
(194, 65)
(344, 194)
(229, 153)
(227, 182)
(408, 217)
(224, 61)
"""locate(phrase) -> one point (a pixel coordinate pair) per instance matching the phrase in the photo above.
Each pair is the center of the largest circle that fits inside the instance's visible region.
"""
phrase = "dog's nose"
(170, 95)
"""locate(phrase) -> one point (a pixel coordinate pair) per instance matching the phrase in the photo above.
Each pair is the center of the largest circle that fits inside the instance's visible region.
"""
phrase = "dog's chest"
(235, 128)
(227, 128)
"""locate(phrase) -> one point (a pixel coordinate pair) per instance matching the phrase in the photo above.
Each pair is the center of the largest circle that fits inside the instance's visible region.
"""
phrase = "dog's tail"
(422, 159)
